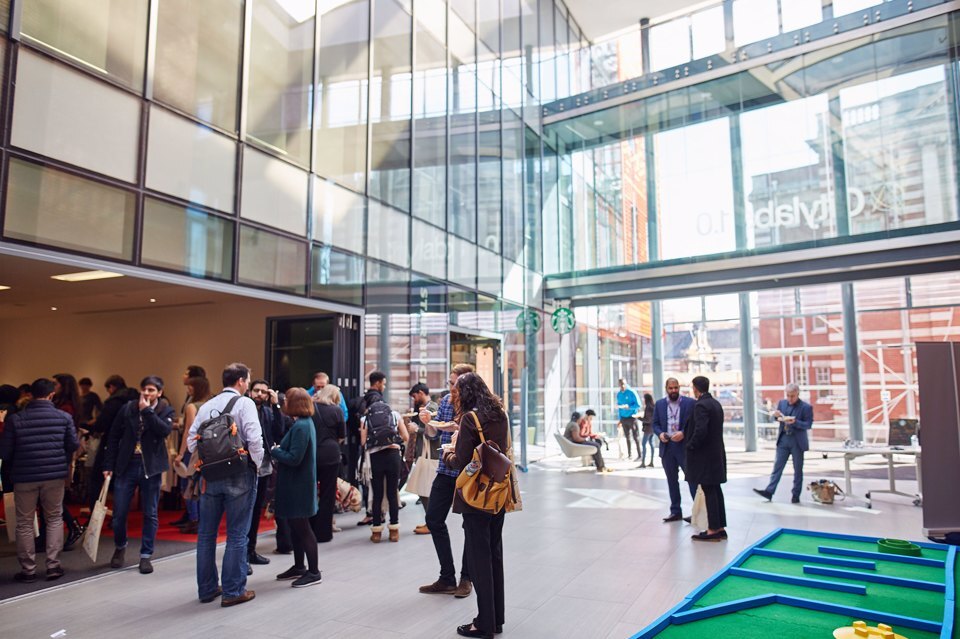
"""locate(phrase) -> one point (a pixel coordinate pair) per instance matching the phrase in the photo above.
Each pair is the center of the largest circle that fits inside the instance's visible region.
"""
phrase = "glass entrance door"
(298, 347)
(483, 353)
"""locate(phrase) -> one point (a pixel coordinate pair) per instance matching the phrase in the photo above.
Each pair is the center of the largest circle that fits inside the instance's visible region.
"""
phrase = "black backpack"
(219, 447)
(381, 425)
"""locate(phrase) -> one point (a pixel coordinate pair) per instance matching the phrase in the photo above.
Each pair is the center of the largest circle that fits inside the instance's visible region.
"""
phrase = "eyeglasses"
(259, 391)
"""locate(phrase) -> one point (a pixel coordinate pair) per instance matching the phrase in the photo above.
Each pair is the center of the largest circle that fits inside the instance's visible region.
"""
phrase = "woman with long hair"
(199, 392)
(330, 424)
(649, 438)
(483, 531)
(66, 395)
(296, 494)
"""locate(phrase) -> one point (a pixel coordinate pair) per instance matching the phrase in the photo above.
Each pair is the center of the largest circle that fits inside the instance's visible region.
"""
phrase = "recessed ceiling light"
(53, 308)
(85, 276)
(598, 123)
(153, 301)
(4, 288)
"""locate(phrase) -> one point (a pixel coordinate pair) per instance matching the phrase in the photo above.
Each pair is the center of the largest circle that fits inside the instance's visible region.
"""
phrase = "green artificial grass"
(774, 622)
(887, 568)
(920, 604)
(777, 621)
(805, 544)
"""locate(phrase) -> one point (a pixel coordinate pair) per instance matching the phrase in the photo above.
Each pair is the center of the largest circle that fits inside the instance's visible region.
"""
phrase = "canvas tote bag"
(422, 474)
(91, 538)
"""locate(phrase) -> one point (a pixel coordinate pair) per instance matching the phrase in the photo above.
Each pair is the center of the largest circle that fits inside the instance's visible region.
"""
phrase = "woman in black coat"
(483, 532)
(707, 457)
(328, 419)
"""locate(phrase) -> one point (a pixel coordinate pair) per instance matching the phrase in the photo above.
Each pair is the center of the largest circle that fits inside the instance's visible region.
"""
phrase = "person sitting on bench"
(572, 433)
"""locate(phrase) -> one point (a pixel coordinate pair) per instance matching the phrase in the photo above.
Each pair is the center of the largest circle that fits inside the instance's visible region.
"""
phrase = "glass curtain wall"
(796, 336)
(804, 151)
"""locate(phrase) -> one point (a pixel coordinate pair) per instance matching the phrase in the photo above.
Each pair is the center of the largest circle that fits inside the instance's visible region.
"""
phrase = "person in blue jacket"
(321, 379)
(796, 418)
(629, 406)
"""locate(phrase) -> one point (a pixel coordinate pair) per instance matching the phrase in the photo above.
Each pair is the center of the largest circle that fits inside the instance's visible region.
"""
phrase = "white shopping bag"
(91, 538)
(10, 512)
(698, 516)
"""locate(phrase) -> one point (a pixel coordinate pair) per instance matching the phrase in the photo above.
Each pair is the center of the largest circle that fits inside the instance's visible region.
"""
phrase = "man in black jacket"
(137, 454)
(117, 397)
(274, 426)
(37, 445)
(707, 458)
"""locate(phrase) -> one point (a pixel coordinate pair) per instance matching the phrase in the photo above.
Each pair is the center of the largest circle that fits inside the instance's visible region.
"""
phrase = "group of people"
(40, 446)
(290, 446)
(690, 434)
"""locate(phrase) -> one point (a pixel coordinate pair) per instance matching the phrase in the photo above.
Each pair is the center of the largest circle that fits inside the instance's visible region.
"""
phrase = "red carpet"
(166, 532)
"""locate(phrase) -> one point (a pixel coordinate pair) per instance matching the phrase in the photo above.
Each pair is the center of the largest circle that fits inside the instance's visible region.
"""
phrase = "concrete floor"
(588, 557)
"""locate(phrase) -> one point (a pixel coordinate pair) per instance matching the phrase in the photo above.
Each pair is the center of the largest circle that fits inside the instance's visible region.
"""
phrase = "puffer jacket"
(37, 443)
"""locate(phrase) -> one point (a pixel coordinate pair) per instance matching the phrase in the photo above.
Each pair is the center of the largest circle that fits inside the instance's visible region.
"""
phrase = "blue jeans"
(649, 439)
(124, 484)
(787, 447)
(235, 497)
(674, 460)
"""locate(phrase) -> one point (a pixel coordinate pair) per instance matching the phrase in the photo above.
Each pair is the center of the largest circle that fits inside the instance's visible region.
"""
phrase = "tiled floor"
(588, 557)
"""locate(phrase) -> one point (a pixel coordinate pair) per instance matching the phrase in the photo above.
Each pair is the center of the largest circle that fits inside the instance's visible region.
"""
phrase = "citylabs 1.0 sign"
(796, 213)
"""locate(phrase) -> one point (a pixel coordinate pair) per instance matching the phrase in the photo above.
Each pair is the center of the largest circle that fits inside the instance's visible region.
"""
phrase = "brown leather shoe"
(394, 532)
(438, 588)
(376, 533)
(226, 602)
(421, 530)
(464, 588)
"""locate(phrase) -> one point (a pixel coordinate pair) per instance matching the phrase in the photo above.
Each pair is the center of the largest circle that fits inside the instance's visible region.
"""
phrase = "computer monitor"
(901, 430)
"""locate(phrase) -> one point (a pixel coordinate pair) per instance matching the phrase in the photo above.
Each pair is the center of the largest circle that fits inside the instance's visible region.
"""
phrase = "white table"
(888, 453)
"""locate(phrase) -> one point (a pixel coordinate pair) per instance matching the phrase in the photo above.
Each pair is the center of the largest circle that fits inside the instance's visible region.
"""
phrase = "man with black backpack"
(358, 410)
(381, 433)
(228, 440)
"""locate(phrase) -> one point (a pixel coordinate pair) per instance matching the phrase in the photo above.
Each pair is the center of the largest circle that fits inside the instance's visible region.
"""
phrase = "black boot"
(74, 533)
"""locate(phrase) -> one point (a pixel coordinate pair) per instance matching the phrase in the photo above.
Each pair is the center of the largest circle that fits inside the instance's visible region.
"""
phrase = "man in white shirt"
(233, 495)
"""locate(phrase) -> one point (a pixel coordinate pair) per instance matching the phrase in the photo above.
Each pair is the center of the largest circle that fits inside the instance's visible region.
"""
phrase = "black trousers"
(258, 504)
(322, 522)
(597, 456)
(716, 509)
(385, 465)
(438, 507)
(484, 546)
(284, 542)
(629, 425)
(304, 543)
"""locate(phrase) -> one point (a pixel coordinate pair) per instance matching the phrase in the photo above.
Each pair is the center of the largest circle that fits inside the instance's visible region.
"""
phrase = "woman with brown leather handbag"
(483, 424)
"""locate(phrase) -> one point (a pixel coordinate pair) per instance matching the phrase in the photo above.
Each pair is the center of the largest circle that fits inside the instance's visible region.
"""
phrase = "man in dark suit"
(707, 458)
(796, 418)
(670, 413)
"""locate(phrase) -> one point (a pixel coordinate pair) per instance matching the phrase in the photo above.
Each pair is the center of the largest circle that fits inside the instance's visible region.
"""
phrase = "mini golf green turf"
(773, 622)
(895, 600)
(778, 620)
(792, 542)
